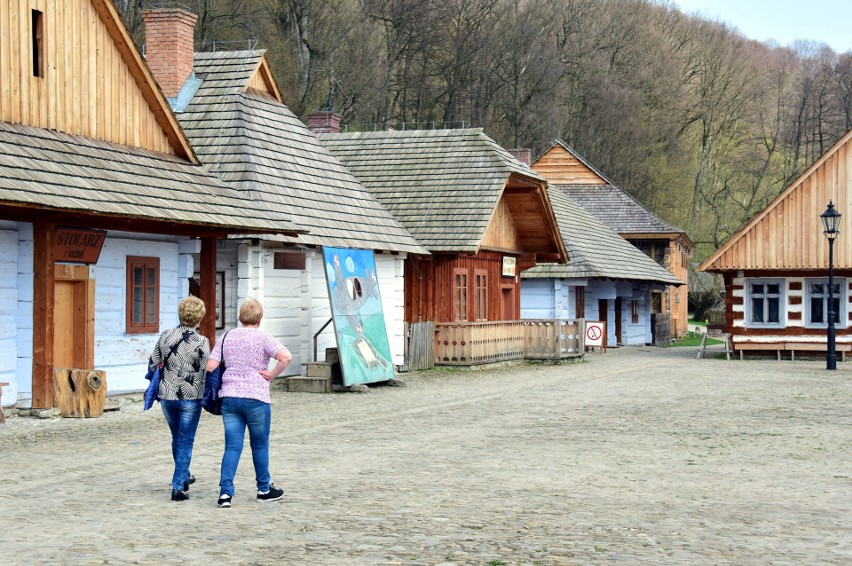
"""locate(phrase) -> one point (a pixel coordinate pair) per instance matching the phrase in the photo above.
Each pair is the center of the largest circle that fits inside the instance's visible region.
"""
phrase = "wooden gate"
(661, 327)
(420, 346)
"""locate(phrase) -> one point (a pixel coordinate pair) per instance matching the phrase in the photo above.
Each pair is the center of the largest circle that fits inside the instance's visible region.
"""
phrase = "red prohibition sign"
(593, 332)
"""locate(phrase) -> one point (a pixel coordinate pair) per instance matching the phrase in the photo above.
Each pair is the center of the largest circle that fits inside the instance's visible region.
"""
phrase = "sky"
(785, 21)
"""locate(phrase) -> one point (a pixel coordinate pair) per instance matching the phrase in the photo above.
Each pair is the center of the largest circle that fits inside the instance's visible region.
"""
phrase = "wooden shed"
(102, 201)
(231, 109)
(565, 169)
(776, 266)
(483, 215)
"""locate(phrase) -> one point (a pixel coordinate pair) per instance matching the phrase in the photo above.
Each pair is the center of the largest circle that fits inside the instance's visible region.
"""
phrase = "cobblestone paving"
(639, 456)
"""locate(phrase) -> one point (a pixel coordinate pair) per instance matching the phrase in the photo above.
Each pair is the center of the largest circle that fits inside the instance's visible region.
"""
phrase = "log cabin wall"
(61, 69)
(795, 327)
(430, 293)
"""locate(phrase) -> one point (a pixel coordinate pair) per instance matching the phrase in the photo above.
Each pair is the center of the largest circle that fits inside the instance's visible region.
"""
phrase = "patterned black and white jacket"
(184, 370)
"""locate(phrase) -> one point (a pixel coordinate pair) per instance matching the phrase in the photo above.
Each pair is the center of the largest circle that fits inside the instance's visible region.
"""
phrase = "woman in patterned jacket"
(183, 353)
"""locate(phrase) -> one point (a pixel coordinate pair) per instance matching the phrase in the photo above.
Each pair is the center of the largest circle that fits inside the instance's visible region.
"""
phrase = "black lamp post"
(831, 226)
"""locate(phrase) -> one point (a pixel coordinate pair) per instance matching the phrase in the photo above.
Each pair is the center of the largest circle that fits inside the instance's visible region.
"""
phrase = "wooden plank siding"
(501, 232)
(429, 287)
(560, 167)
(73, 96)
(787, 234)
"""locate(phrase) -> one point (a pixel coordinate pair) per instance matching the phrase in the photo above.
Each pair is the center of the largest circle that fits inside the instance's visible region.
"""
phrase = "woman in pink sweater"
(245, 398)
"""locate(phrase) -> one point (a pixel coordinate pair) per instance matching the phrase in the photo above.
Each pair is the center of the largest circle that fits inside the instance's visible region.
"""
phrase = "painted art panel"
(359, 322)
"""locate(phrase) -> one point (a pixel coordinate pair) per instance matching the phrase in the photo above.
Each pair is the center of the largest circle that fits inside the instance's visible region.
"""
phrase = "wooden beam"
(207, 275)
(44, 290)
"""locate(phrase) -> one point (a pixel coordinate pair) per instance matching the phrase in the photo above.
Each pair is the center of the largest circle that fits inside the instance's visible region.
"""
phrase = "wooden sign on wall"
(79, 245)
(509, 264)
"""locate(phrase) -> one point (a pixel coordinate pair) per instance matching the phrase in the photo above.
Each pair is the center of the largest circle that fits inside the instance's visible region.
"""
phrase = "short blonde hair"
(251, 312)
(190, 311)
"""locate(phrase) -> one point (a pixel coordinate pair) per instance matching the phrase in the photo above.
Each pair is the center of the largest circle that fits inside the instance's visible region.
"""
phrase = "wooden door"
(507, 303)
(73, 322)
(618, 339)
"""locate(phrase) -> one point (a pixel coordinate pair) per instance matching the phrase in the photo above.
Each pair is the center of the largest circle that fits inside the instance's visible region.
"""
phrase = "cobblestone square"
(638, 456)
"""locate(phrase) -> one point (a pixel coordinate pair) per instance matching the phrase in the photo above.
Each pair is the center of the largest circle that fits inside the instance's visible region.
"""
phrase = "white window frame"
(782, 303)
(842, 314)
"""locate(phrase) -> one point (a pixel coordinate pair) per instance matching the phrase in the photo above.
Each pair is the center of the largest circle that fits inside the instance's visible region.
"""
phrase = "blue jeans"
(182, 416)
(237, 414)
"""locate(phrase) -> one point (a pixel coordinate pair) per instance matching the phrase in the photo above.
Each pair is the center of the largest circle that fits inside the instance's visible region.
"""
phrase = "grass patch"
(692, 339)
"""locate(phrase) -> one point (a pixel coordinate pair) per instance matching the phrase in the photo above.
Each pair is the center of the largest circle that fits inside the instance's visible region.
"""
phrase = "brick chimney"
(169, 46)
(324, 122)
(522, 154)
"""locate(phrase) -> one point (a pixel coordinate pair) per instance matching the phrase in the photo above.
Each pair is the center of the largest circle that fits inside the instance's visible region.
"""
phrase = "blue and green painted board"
(359, 322)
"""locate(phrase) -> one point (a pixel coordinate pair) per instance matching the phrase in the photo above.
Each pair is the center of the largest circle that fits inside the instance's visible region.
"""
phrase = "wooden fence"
(472, 343)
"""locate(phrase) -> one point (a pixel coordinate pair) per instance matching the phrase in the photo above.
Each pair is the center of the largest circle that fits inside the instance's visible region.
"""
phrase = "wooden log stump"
(79, 392)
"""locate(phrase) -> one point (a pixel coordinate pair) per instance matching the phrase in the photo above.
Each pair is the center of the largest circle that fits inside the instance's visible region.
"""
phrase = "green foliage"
(697, 122)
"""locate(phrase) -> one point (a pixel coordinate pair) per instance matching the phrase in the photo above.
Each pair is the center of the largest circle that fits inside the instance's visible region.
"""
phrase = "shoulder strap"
(225, 335)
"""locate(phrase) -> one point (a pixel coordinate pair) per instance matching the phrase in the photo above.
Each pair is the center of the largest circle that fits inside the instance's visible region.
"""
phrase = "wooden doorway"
(603, 312)
(618, 339)
(74, 318)
(507, 302)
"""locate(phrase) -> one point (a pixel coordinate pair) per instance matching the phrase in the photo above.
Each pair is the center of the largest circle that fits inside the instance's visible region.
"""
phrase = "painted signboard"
(359, 322)
(78, 245)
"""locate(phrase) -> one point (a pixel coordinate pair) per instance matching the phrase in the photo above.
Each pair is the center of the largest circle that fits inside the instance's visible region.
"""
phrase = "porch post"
(44, 295)
(207, 275)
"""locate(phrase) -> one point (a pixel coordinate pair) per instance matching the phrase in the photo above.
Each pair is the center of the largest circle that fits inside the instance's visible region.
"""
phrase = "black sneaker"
(224, 500)
(188, 482)
(178, 495)
(272, 495)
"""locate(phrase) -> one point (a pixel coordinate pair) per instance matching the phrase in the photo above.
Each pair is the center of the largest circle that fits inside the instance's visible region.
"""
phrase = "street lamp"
(831, 226)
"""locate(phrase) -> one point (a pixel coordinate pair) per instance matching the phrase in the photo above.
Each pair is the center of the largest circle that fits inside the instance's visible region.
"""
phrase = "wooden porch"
(474, 343)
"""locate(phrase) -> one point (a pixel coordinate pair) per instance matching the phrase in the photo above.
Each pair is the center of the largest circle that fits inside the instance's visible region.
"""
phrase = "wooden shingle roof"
(253, 141)
(595, 251)
(442, 185)
(617, 209)
(53, 170)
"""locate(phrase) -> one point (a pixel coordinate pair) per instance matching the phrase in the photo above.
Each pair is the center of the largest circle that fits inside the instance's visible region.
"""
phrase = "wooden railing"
(473, 343)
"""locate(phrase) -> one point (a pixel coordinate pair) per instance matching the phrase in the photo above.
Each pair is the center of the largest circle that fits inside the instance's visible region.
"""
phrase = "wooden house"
(606, 278)
(232, 111)
(669, 246)
(484, 216)
(776, 266)
(103, 204)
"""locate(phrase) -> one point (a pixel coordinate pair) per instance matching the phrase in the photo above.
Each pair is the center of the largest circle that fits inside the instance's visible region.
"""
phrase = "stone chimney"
(169, 46)
(522, 154)
(324, 122)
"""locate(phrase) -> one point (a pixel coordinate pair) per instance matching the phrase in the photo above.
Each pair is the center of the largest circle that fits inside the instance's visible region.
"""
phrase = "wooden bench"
(743, 347)
(2, 416)
(794, 347)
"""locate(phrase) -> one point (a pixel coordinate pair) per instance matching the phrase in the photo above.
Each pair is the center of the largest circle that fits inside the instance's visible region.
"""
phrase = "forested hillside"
(697, 122)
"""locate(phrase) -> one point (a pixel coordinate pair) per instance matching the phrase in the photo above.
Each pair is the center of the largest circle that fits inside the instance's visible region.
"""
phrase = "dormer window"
(38, 43)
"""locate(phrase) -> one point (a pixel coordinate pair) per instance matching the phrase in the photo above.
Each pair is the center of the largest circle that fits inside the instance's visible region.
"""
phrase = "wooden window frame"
(839, 297)
(461, 293)
(131, 327)
(766, 298)
(480, 308)
(580, 302)
(634, 311)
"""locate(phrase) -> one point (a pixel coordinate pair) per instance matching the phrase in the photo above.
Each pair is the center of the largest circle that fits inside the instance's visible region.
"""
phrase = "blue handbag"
(154, 375)
(152, 393)
(211, 402)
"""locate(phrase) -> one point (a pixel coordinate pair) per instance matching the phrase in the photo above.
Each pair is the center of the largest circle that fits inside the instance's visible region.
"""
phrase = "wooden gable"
(262, 82)
(560, 166)
(788, 233)
(71, 66)
(501, 233)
